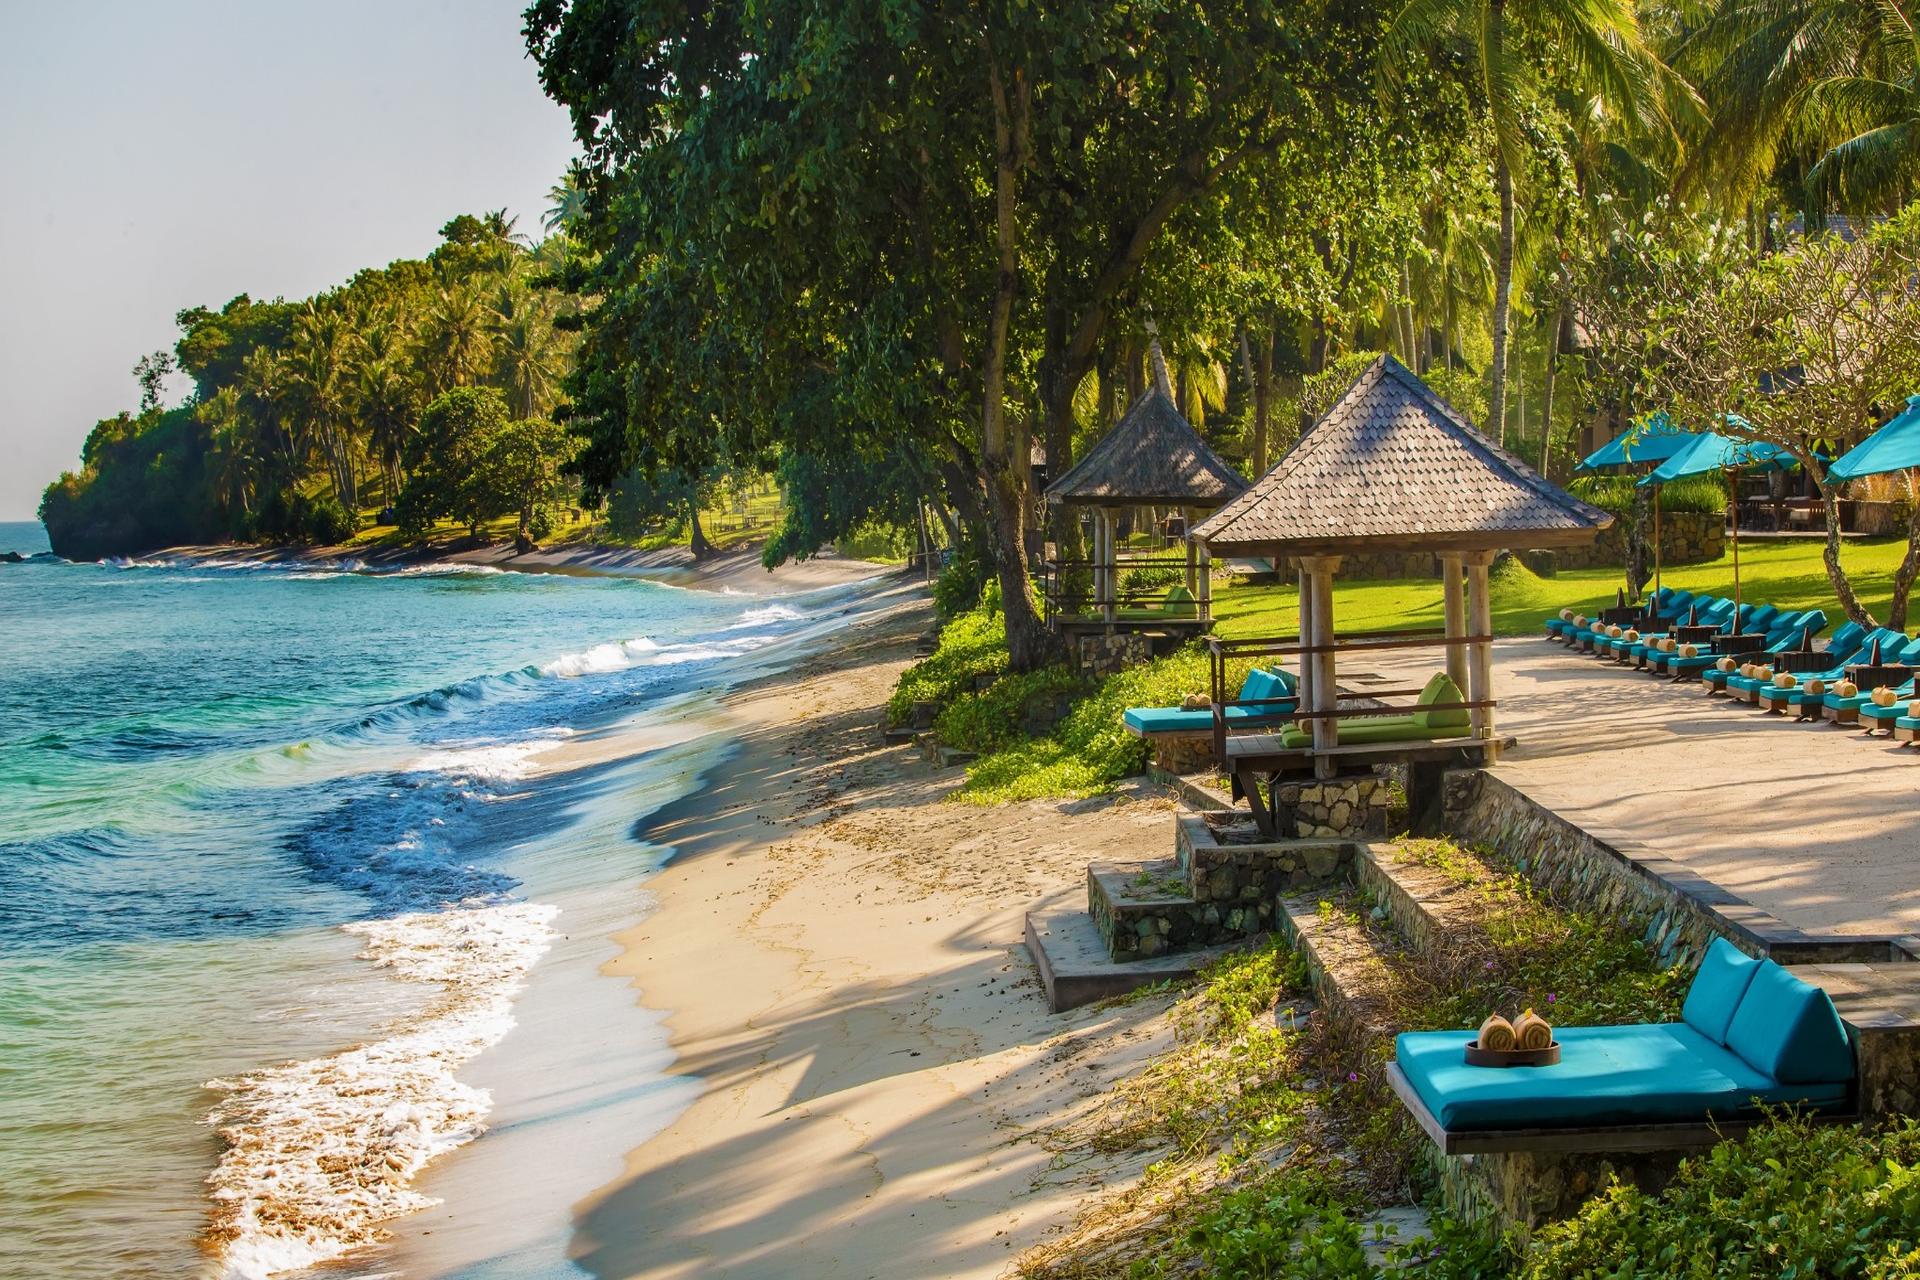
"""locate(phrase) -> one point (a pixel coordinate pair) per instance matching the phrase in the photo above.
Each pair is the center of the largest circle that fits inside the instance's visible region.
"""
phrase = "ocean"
(289, 854)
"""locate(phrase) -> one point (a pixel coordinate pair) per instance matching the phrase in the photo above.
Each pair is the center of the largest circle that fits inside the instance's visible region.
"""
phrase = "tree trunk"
(1260, 375)
(696, 536)
(1502, 295)
(1546, 391)
(1843, 585)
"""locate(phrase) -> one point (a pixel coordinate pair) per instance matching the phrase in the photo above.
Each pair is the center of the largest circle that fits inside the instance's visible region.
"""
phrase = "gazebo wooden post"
(1193, 551)
(1109, 560)
(1480, 664)
(1454, 601)
(1205, 568)
(1316, 573)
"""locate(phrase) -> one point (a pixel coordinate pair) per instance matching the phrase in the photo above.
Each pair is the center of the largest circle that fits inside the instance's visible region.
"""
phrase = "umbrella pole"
(1733, 515)
(1656, 539)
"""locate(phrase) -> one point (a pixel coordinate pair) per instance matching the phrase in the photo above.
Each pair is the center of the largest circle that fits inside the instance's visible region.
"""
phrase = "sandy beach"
(837, 955)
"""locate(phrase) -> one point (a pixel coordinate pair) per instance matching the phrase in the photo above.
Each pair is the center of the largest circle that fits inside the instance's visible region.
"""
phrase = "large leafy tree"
(924, 217)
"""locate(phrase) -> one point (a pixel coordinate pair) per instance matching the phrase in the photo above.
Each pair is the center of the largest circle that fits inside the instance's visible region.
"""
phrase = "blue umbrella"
(1652, 439)
(1712, 451)
(1894, 447)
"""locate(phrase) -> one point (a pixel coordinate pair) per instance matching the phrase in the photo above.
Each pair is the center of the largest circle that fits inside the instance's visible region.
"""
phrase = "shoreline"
(738, 570)
(866, 1099)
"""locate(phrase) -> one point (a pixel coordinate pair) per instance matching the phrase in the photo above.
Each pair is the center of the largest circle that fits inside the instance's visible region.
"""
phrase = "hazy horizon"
(163, 157)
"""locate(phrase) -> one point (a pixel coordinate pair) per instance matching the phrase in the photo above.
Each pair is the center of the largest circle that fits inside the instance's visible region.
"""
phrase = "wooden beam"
(1480, 654)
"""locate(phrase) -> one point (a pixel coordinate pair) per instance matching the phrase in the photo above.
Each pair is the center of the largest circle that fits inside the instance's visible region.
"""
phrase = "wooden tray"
(1478, 1057)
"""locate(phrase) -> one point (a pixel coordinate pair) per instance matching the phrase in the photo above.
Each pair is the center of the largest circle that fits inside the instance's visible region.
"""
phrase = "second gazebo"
(1391, 467)
(1152, 458)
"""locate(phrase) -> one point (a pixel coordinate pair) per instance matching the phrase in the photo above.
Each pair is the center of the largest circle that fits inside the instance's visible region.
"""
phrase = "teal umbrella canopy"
(1712, 451)
(1652, 439)
(1894, 447)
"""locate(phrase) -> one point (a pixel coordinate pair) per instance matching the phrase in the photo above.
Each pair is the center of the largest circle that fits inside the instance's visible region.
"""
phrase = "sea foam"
(321, 1154)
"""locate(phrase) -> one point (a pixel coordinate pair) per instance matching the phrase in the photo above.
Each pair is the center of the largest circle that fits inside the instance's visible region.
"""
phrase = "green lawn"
(1784, 572)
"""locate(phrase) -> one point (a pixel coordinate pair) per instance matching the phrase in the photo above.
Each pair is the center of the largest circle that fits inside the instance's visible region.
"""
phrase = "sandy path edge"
(839, 953)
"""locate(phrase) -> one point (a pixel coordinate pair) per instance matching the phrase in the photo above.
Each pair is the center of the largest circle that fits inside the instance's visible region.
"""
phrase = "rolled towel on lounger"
(1689, 650)
(1196, 702)
(1846, 688)
(1613, 632)
(1763, 672)
(1726, 664)
(1883, 696)
(1669, 644)
(1785, 680)
(1631, 636)
(1566, 615)
(1816, 687)
(1913, 709)
(1579, 619)
(1497, 1033)
(1532, 1031)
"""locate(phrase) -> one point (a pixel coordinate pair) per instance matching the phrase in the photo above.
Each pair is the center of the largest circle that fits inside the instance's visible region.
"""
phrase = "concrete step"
(1356, 972)
(1075, 968)
(1433, 911)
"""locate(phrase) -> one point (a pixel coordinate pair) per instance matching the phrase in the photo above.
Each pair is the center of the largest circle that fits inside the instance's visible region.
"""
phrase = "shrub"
(1091, 750)
(973, 644)
(993, 718)
(1791, 1199)
(968, 570)
(1705, 494)
(1142, 581)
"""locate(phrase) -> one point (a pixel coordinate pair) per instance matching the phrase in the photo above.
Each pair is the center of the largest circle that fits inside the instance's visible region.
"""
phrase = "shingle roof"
(1152, 455)
(1391, 465)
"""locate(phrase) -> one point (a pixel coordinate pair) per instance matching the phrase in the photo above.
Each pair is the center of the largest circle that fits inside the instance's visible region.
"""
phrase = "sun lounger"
(1846, 710)
(1414, 726)
(1798, 631)
(1844, 643)
(1751, 1035)
(1268, 697)
(1666, 600)
(1701, 612)
(1656, 660)
(1799, 697)
(1178, 605)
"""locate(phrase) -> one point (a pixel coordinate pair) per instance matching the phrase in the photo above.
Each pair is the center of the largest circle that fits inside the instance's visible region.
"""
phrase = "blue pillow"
(1715, 994)
(1261, 683)
(1790, 1030)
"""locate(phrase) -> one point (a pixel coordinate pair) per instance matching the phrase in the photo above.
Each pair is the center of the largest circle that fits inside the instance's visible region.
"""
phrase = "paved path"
(1816, 823)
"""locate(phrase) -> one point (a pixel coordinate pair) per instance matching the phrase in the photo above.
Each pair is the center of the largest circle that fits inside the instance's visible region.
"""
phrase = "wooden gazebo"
(1392, 467)
(1152, 458)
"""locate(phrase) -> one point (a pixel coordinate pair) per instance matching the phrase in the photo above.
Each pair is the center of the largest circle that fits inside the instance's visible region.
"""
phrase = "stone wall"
(1358, 807)
(1218, 871)
(1098, 656)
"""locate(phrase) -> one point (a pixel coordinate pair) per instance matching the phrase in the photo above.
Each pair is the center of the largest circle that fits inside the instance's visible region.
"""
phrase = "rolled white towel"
(1816, 686)
(1913, 709)
(1785, 680)
(1668, 644)
(1579, 619)
(1846, 688)
(1883, 696)
(1689, 650)
(1631, 635)
(1725, 664)
(1566, 615)
(1763, 672)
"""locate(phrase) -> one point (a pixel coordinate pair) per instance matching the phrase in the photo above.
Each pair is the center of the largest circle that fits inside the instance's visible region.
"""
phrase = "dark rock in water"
(12, 557)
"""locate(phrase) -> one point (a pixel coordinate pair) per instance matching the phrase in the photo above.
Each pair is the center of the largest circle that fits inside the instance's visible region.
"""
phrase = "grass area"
(1787, 572)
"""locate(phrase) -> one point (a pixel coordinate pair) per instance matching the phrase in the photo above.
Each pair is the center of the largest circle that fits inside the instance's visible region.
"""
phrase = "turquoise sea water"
(279, 848)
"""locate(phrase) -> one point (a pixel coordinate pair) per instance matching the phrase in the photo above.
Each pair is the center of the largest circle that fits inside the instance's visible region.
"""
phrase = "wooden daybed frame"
(1690, 1136)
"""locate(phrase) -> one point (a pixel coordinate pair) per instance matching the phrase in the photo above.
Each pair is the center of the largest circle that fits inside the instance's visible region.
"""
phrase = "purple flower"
(1550, 997)
(1353, 1077)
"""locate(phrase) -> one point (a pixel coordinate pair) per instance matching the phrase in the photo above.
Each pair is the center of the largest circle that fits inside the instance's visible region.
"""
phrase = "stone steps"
(1147, 909)
(1427, 907)
(1355, 971)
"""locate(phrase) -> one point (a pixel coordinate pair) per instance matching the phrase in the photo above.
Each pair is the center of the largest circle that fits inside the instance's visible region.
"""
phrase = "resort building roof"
(1392, 466)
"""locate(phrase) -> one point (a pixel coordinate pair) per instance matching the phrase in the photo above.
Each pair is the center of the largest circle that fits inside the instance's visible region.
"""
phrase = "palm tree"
(1877, 118)
(1597, 45)
(457, 343)
(229, 448)
(531, 361)
(386, 404)
(318, 367)
(569, 205)
(263, 391)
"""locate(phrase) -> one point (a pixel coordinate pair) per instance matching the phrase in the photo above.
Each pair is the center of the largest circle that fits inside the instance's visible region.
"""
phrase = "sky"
(158, 156)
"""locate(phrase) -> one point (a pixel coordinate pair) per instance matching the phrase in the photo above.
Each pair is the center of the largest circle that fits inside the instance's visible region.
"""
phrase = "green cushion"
(1659, 1074)
(1375, 729)
(1789, 1030)
(1440, 688)
(1715, 994)
(1180, 602)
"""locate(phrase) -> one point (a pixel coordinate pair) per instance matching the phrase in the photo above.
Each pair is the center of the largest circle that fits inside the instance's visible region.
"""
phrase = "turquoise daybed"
(1751, 1035)
(1272, 696)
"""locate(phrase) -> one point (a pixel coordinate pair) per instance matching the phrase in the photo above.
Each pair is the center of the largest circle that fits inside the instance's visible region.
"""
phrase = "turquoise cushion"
(1261, 683)
(1789, 1030)
(1657, 1074)
(1715, 994)
(1175, 720)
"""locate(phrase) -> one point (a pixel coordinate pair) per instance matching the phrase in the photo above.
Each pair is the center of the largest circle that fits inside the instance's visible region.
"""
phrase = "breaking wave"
(321, 1154)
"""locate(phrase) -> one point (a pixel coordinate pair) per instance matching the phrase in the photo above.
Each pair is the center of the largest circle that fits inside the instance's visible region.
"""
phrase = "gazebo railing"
(1071, 590)
(1221, 650)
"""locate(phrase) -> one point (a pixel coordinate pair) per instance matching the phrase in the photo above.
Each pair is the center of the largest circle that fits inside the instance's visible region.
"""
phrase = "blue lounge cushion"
(1715, 994)
(1664, 1073)
(1789, 1030)
(1261, 683)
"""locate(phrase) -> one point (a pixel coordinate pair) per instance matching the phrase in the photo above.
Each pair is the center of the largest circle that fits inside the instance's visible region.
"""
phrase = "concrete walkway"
(1814, 822)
